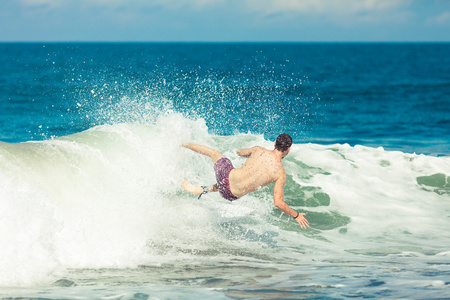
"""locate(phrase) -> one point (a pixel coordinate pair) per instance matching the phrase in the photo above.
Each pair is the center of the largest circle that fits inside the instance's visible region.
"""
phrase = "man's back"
(261, 168)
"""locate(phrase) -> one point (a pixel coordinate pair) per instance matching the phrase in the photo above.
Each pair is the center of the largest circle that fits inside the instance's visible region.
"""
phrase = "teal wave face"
(438, 183)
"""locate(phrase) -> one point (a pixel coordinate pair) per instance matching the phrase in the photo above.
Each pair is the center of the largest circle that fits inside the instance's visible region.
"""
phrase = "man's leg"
(214, 154)
(189, 187)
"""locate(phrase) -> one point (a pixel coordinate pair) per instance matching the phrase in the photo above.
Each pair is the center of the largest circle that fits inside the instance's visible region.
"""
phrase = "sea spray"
(90, 199)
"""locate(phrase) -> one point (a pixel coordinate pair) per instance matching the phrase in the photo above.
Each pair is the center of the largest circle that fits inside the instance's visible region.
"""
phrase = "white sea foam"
(110, 197)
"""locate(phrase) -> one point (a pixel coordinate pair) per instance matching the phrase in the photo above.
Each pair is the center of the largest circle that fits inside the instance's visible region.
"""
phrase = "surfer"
(262, 167)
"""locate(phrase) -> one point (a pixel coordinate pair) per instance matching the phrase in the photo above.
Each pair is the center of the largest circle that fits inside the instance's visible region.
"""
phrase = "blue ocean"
(91, 205)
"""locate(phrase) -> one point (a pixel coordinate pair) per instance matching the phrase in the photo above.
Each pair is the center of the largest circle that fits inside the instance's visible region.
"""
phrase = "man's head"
(283, 142)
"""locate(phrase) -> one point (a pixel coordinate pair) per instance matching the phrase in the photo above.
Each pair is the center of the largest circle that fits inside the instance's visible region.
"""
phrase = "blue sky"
(225, 20)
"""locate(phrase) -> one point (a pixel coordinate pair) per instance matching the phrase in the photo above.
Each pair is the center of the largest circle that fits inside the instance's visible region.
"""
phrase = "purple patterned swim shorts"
(223, 168)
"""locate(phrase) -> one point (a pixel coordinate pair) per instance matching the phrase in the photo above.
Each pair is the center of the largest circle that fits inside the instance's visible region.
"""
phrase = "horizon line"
(229, 42)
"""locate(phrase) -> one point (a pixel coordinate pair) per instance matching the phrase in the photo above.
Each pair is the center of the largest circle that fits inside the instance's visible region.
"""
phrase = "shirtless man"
(261, 168)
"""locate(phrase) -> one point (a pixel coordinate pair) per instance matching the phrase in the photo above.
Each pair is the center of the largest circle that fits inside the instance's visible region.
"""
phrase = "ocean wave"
(110, 197)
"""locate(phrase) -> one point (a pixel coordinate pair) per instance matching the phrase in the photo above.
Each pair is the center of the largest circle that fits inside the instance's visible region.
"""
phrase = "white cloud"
(37, 2)
(334, 9)
(441, 19)
(170, 4)
(42, 3)
(329, 8)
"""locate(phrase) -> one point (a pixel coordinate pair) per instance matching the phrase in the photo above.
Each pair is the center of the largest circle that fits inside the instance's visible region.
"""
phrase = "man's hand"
(302, 221)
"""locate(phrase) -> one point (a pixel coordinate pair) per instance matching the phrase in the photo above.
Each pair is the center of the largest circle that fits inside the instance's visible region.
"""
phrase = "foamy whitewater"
(108, 200)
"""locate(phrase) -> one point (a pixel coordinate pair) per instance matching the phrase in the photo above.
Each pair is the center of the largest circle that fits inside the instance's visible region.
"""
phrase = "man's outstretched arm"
(278, 193)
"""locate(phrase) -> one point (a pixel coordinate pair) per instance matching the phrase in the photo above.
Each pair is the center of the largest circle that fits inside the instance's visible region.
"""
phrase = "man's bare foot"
(189, 187)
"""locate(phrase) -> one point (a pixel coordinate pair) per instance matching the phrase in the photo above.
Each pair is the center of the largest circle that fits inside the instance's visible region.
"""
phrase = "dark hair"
(284, 141)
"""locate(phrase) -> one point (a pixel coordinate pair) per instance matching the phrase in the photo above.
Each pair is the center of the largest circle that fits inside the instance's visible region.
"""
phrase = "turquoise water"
(90, 168)
(390, 95)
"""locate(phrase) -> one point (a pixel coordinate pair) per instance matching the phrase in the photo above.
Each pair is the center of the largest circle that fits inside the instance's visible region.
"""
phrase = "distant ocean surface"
(90, 168)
